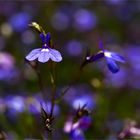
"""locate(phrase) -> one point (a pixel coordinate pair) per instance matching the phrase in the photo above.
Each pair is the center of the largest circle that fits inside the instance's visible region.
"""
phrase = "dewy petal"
(55, 55)
(33, 54)
(43, 57)
(114, 56)
(113, 67)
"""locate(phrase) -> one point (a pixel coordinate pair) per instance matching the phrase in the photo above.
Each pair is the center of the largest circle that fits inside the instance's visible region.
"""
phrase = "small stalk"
(35, 67)
(70, 85)
(40, 82)
(53, 81)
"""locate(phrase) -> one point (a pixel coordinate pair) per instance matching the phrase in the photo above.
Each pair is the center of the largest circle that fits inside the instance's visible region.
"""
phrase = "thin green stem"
(69, 86)
(49, 136)
(52, 75)
(35, 67)
(40, 82)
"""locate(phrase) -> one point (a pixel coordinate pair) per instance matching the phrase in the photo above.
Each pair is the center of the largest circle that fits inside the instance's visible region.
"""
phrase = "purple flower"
(8, 70)
(45, 53)
(85, 122)
(19, 21)
(76, 130)
(73, 130)
(87, 100)
(111, 58)
(16, 103)
(77, 134)
(85, 20)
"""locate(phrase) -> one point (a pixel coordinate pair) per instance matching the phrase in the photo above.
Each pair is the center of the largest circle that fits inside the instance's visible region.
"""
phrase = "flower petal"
(42, 36)
(55, 55)
(117, 57)
(114, 56)
(112, 65)
(77, 134)
(96, 57)
(48, 39)
(33, 54)
(43, 57)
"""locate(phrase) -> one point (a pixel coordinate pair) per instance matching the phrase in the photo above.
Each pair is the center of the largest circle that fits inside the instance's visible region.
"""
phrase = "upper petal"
(48, 39)
(33, 54)
(42, 36)
(114, 56)
(43, 57)
(55, 55)
(96, 57)
(113, 67)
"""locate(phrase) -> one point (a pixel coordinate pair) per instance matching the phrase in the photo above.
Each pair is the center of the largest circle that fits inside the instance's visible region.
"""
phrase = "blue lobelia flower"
(45, 53)
(111, 58)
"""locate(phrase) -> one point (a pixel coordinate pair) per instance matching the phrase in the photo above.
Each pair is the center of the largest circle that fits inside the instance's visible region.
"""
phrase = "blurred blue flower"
(115, 2)
(47, 107)
(124, 11)
(15, 103)
(77, 134)
(60, 21)
(7, 61)
(74, 45)
(133, 56)
(85, 20)
(85, 122)
(73, 130)
(45, 53)
(7, 67)
(19, 21)
(8, 75)
(69, 125)
(87, 100)
(76, 130)
(11, 115)
(118, 80)
(111, 58)
(33, 105)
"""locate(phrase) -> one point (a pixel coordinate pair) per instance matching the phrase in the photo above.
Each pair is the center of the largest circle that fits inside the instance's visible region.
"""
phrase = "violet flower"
(111, 58)
(77, 134)
(45, 53)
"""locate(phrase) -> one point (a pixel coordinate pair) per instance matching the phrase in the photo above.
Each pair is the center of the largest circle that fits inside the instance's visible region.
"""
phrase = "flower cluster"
(81, 121)
(46, 52)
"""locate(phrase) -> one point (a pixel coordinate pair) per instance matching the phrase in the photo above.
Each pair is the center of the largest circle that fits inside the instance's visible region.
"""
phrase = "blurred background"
(75, 26)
